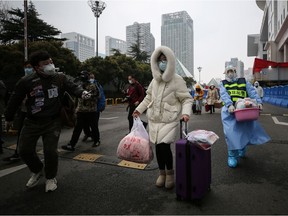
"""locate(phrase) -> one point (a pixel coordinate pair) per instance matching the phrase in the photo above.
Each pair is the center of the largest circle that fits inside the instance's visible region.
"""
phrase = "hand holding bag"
(135, 146)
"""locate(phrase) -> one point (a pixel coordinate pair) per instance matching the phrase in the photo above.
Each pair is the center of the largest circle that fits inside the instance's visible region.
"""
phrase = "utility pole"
(25, 31)
(97, 8)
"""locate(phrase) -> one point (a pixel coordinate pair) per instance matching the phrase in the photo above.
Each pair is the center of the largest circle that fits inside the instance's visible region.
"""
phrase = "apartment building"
(114, 43)
(83, 47)
(141, 32)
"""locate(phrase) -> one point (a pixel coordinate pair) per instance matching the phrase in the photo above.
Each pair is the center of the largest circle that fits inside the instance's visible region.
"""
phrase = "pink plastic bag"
(135, 146)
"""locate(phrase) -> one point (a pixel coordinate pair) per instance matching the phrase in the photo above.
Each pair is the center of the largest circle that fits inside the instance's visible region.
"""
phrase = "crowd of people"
(37, 101)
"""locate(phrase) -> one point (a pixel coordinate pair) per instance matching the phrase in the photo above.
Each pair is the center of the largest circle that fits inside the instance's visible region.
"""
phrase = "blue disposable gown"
(240, 134)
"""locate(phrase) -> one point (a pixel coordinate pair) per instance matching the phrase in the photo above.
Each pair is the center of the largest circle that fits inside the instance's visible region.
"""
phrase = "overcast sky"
(220, 27)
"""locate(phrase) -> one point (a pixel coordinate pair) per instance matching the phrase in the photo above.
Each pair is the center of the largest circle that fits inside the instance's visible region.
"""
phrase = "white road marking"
(278, 122)
(11, 170)
(109, 118)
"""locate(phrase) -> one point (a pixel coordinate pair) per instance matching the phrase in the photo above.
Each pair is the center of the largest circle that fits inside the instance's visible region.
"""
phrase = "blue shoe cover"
(232, 162)
(242, 152)
(232, 158)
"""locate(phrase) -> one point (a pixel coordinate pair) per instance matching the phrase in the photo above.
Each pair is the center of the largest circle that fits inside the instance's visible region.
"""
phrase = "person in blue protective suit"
(239, 134)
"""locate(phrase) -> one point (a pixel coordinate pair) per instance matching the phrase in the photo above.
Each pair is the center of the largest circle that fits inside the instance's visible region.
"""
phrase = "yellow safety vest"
(236, 90)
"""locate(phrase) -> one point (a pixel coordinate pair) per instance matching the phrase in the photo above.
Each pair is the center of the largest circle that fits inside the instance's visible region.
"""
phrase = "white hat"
(229, 68)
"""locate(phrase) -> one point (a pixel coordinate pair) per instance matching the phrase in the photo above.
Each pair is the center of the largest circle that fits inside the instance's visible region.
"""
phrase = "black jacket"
(43, 95)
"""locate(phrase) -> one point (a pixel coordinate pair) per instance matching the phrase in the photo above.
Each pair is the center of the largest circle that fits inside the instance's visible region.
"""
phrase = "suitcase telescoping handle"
(185, 128)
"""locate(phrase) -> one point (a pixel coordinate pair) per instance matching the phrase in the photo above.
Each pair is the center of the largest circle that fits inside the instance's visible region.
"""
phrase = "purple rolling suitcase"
(193, 169)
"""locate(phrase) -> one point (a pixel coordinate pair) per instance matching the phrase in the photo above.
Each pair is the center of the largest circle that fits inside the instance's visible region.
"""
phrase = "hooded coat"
(212, 96)
(167, 99)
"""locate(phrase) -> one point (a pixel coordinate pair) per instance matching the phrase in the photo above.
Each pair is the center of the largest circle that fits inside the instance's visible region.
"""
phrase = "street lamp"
(97, 7)
(25, 31)
(199, 69)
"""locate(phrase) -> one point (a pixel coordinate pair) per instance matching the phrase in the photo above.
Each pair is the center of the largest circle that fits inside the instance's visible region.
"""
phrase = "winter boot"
(232, 158)
(169, 183)
(242, 152)
(161, 179)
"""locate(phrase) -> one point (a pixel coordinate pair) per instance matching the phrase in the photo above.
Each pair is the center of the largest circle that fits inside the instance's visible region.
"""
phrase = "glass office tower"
(177, 33)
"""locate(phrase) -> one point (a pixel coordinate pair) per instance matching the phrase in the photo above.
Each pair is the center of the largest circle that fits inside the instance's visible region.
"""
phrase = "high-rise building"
(141, 32)
(273, 37)
(82, 46)
(239, 65)
(177, 33)
(114, 43)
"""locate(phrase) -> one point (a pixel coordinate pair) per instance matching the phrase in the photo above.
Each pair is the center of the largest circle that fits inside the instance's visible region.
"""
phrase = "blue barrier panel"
(279, 96)
(273, 95)
(286, 91)
(267, 93)
(284, 102)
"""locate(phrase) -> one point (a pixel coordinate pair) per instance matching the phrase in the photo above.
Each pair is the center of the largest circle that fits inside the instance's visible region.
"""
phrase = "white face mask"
(91, 80)
(49, 69)
(231, 75)
(130, 81)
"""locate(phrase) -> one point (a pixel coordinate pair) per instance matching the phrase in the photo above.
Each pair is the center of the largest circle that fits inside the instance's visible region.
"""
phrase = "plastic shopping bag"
(135, 146)
(202, 138)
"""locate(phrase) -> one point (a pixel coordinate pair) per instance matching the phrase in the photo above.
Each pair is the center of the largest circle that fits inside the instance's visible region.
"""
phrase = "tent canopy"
(259, 64)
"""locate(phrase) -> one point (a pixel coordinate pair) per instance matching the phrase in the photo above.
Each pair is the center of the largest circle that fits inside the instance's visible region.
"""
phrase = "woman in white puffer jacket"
(167, 101)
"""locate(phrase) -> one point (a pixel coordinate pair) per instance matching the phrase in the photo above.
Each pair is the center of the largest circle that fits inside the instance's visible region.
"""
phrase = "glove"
(86, 95)
(260, 106)
(231, 109)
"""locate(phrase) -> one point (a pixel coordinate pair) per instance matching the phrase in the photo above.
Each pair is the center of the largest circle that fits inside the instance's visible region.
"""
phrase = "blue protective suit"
(240, 134)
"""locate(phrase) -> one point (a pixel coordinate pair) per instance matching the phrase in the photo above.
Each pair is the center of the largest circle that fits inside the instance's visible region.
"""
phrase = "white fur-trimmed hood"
(170, 70)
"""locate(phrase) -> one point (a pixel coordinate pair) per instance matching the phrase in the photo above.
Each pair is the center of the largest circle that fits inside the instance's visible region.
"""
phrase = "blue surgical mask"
(163, 65)
(28, 71)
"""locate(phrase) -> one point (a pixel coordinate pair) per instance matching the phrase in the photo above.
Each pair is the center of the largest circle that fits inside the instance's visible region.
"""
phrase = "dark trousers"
(1, 134)
(87, 130)
(212, 108)
(21, 118)
(85, 119)
(164, 156)
(50, 131)
(130, 117)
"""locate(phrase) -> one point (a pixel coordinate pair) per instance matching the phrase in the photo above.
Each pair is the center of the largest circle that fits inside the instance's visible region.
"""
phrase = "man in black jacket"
(44, 89)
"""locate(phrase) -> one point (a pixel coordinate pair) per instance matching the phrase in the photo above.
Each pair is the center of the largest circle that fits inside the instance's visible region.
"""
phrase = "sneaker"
(51, 185)
(96, 144)
(12, 158)
(68, 147)
(33, 181)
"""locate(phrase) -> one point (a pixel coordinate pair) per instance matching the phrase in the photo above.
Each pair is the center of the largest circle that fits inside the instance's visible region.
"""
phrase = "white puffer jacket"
(167, 99)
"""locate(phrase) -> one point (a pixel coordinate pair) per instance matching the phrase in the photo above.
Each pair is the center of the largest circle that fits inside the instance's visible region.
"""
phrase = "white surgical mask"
(49, 69)
(91, 80)
(130, 81)
(230, 75)
(162, 65)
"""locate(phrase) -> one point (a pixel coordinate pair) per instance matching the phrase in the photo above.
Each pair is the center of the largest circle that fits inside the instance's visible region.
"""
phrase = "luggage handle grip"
(185, 131)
